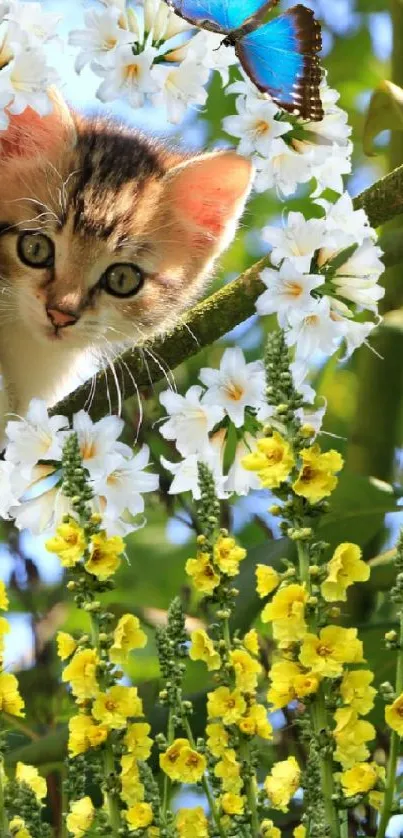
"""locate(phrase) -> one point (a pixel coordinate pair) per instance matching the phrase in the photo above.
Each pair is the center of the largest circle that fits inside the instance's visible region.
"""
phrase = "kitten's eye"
(122, 279)
(36, 250)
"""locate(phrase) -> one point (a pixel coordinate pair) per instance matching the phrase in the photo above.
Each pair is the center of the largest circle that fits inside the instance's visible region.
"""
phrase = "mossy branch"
(214, 317)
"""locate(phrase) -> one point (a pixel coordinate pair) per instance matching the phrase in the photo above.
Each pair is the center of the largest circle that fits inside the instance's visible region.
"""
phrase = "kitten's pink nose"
(61, 318)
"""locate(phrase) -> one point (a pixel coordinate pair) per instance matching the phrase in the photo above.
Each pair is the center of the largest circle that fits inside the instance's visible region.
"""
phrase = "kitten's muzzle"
(60, 318)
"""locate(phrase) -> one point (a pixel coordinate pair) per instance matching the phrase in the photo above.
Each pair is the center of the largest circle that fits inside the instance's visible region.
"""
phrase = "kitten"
(105, 237)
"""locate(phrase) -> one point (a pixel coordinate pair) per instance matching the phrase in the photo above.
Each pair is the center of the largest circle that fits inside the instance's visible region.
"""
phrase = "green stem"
(394, 748)
(250, 789)
(303, 563)
(206, 788)
(3, 814)
(167, 781)
(321, 724)
(343, 823)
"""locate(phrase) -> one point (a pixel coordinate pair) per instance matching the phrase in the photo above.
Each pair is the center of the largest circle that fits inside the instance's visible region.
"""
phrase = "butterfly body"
(280, 56)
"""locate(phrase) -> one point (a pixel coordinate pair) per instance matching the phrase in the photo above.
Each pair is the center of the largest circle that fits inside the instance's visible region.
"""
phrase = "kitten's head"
(106, 235)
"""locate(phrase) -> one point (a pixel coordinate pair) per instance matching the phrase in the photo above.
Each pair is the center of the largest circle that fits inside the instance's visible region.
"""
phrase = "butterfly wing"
(221, 16)
(281, 59)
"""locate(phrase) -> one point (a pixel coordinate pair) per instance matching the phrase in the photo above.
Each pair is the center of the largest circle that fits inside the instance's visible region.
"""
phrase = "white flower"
(297, 241)
(206, 49)
(44, 509)
(334, 126)
(341, 217)
(255, 125)
(288, 290)
(190, 421)
(179, 88)
(124, 482)
(161, 22)
(235, 385)
(35, 437)
(97, 440)
(299, 373)
(101, 37)
(284, 169)
(8, 497)
(25, 81)
(314, 330)
(330, 171)
(129, 77)
(186, 474)
(355, 334)
(365, 263)
(239, 480)
(35, 26)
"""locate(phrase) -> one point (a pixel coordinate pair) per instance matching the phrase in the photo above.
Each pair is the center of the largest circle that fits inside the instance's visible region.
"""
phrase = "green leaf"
(385, 112)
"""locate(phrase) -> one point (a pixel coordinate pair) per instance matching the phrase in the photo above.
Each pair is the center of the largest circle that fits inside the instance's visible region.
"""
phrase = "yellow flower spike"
(251, 642)
(81, 673)
(268, 830)
(232, 804)
(317, 479)
(356, 691)
(344, 569)
(267, 580)
(326, 654)
(282, 783)
(228, 770)
(137, 740)
(202, 649)
(287, 613)
(18, 828)
(201, 570)
(81, 817)
(85, 734)
(4, 603)
(132, 788)
(226, 705)
(228, 555)
(273, 460)
(10, 699)
(191, 823)
(289, 682)
(30, 775)
(105, 555)
(360, 779)
(394, 715)
(181, 762)
(256, 723)
(351, 735)
(217, 739)
(139, 816)
(127, 636)
(247, 670)
(66, 645)
(68, 543)
(114, 707)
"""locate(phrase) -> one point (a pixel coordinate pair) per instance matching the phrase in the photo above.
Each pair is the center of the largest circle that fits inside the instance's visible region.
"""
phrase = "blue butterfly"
(281, 57)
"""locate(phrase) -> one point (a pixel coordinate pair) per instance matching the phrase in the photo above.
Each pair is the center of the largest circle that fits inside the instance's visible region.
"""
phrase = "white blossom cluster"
(25, 75)
(232, 399)
(30, 475)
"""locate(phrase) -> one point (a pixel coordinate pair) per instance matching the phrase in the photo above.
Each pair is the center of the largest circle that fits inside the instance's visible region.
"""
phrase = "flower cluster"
(31, 475)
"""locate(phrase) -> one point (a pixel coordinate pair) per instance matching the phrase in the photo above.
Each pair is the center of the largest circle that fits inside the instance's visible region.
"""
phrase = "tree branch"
(217, 315)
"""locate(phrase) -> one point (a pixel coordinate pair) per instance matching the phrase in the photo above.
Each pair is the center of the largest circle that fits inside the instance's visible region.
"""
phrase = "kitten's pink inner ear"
(29, 134)
(209, 193)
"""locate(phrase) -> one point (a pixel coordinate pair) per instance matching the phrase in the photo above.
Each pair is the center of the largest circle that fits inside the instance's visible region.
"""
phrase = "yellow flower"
(202, 649)
(82, 674)
(228, 770)
(81, 816)
(137, 740)
(255, 722)
(299, 832)
(287, 613)
(132, 788)
(204, 577)
(246, 669)
(316, 479)
(217, 741)
(345, 568)
(105, 555)
(268, 830)
(394, 715)
(267, 579)
(139, 816)
(282, 783)
(356, 691)
(376, 799)
(18, 828)
(68, 543)
(66, 645)
(351, 734)
(289, 682)
(115, 706)
(326, 654)
(84, 734)
(227, 555)
(251, 642)
(30, 775)
(360, 779)
(226, 705)
(272, 460)
(191, 823)
(181, 762)
(10, 699)
(127, 636)
(4, 603)
(232, 804)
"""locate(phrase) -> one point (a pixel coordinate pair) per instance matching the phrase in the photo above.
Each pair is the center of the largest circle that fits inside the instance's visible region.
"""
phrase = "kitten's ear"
(29, 134)
(207, 194)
